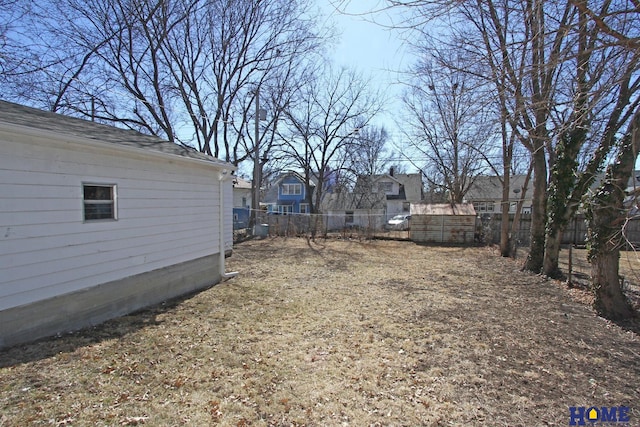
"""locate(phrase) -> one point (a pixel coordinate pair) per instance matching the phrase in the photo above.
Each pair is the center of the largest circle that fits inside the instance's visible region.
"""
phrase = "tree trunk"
(538, 211)
(606, 216)
(515, 227)
(610, 301)
(559, 212)
(505, 236)
(564, 171)
(553, 241)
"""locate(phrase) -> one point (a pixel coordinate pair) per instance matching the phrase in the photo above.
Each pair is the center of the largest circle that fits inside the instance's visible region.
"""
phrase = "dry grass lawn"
(371, 333)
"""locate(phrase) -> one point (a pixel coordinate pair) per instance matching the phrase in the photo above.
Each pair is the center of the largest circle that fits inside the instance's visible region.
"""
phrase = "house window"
(285, 209)
(244, 202)
(348, 217)
(480, 206)
(385, 187)
(291, 189)
(406, 206)
(99, 201)
(483, 206)
(304, 208)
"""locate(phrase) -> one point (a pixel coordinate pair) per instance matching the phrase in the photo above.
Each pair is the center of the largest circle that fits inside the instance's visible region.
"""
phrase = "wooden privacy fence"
(488, 230)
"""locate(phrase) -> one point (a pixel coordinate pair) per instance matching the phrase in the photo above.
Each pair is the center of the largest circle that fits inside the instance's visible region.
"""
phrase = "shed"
(442, 223)
(97, 222)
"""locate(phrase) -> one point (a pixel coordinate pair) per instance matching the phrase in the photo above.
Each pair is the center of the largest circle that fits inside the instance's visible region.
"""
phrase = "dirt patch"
(337, 333)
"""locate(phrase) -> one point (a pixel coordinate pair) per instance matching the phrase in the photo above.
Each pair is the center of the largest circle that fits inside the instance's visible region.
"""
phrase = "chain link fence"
(370, 226)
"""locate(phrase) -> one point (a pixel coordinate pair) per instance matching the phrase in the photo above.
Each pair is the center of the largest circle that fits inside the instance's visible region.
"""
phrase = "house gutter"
(223, 176)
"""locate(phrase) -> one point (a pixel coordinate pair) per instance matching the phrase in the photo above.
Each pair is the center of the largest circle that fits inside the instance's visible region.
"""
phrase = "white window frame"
(304, 208)
(112, 201)
(349, 217)
(291, 189)
(285, 209)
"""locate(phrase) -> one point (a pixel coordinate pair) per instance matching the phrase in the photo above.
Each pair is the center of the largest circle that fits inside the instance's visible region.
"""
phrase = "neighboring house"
(354, 210)
(241, 203)
(398, 190)
(486, 194)
(97, 222)
(374, 200)
(288, 195)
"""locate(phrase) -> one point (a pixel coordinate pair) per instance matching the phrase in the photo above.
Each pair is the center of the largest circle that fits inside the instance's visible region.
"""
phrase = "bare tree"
(370, 155)
(185, 70)
(495, 39)
(504, 70)
(607, 212)
(602, 92)
(37, 64)
(448, 125)
(254, 45)
(321, 127)
(552, 87)
(367, 158)
(12, 50)
(606, 215)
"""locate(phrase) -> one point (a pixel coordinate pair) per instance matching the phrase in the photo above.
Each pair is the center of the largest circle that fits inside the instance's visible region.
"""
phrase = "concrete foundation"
(95, 305)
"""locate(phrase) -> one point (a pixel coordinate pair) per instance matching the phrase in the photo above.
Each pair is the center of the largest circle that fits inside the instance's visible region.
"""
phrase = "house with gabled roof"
(374, 200)
(241, 203)
(97, 222)
(486, 194)
(398, 190)
(287, 195)
(344, 209)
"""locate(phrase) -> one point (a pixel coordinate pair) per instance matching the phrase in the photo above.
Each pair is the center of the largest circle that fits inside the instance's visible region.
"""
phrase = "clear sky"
(370, 48)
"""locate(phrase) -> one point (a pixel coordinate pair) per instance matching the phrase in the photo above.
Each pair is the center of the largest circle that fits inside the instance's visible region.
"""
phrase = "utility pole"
(255, 185)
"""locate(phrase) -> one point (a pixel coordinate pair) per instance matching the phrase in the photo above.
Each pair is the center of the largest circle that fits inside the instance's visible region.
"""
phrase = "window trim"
(113, 201)
(285, 209)
(297, 189)
(349, 217)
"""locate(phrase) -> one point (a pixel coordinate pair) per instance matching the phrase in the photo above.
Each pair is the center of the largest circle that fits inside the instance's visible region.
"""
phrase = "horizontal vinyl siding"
(166, 214)
(228, 217)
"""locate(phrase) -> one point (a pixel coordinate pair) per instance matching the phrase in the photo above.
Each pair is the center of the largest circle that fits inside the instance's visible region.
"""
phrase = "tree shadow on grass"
(582, 282)
(69, 342)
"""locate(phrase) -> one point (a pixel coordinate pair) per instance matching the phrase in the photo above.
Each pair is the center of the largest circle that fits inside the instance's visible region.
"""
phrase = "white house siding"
(396, 207)
(372, 219)
(241, 193)
(166, 214)
(228, 215)
(241, 198)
